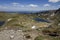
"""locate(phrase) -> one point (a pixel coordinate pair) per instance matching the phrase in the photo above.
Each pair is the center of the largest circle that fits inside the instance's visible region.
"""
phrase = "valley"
(35, 26)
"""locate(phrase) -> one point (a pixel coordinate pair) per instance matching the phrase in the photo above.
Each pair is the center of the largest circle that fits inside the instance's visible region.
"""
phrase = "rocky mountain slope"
(27, 23)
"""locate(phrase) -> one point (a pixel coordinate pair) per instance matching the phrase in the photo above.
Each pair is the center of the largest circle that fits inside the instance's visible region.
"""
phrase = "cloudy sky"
(28, 5)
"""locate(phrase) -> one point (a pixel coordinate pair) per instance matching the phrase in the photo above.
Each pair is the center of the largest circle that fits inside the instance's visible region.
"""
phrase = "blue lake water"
(41, 20)
(2, 22)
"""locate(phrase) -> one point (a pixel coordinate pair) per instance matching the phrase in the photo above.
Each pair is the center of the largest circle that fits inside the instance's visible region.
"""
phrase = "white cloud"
(4, 7)
(59, 5)
(54, 1)
(14, 3)
(21, 7)
(0, 5)
(32, 5)
(46, 5)
(17, 4)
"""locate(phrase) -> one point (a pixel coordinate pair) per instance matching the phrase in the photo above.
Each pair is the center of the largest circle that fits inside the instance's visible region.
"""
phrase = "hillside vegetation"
(26, 22)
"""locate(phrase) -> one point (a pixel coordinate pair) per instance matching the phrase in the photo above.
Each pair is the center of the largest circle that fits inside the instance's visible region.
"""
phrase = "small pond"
(41, 20)
(2, 22)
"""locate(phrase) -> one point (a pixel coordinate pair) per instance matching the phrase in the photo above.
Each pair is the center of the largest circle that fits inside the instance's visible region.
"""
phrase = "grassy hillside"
(25, 22)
